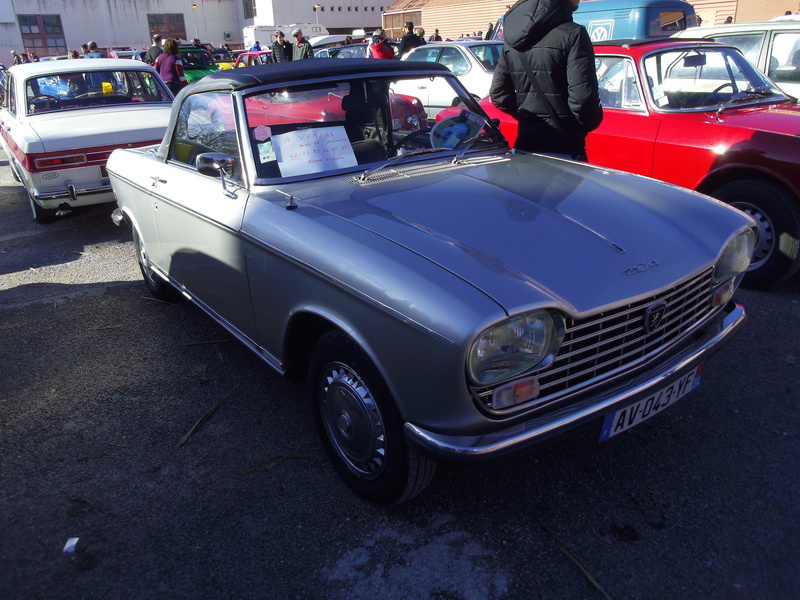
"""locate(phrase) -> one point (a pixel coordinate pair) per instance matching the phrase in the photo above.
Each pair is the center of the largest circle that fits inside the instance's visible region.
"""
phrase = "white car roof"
(705, 30)
(78, 64)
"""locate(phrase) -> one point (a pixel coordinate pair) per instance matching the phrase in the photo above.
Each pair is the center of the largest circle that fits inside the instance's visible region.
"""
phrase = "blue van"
(628, 19)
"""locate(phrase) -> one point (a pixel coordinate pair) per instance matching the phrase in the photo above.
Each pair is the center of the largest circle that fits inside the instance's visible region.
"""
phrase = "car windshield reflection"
(705, 78)
(329, 126)
(68, 91)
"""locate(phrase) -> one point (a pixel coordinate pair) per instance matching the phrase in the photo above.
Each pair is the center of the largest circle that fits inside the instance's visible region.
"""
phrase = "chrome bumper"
(588, 409)
(71, 193)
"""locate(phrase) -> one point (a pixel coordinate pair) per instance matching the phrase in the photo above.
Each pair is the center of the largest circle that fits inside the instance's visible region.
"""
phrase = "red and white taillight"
(50, 162)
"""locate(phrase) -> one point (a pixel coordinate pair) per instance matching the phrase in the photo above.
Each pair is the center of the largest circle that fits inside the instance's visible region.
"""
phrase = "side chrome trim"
(539, 429)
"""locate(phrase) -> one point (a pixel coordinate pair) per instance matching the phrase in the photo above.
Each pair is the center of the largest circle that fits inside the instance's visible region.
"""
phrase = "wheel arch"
(304, 330)
(720, 177)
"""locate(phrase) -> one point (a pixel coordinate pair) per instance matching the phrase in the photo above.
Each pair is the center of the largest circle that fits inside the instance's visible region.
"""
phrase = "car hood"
(90, 128)
(783, 118)
(531, 230)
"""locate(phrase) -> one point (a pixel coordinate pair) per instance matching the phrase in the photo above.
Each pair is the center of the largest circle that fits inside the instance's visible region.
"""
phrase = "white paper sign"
(313, 150)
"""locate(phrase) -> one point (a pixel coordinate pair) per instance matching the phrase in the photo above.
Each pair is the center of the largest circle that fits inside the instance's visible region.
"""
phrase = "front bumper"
(590, 407)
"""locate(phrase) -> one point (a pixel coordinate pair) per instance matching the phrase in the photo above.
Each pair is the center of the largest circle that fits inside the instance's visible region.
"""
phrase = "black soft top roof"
(290, 72)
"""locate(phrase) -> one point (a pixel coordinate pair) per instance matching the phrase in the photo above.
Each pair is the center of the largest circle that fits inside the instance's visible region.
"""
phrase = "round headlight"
(514, 346)
(735, 257)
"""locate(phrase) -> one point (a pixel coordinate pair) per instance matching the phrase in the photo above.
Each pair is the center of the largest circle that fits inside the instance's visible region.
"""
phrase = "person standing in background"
(154, 50)
(546, 78)
(380, 47)
(170, 67)
(281, 49)
(301, 49)
(94, 52)
(409, 41)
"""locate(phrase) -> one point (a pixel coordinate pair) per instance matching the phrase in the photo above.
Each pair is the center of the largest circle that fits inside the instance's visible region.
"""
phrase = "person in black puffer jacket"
(560, 56)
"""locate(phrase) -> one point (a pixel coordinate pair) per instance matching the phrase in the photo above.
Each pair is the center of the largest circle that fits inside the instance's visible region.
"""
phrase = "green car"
(197, 63)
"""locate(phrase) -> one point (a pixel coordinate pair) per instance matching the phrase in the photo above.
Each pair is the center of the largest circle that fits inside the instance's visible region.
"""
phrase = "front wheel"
(359, 425)
(160, 289)
(777, 252)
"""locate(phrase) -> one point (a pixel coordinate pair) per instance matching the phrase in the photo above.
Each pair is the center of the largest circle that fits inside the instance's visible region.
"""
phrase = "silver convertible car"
(443, 297)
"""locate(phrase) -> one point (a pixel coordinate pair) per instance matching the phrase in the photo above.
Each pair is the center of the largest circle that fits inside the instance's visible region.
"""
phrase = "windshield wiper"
(751, 93)
(471, 142)
(398, 159)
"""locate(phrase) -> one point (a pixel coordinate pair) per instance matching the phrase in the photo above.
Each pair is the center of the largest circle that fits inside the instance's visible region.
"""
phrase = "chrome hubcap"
(352, 421)
(765, 245)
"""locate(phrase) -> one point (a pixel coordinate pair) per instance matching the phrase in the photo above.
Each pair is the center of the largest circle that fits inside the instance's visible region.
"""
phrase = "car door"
(198, 222)
(440, 94)
(418, 88)
(626, 137)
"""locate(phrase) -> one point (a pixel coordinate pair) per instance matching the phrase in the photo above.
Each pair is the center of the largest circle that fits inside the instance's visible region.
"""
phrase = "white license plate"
(632, 415)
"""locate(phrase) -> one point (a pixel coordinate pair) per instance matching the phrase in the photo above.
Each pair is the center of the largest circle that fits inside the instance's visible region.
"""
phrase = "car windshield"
(335, 125)
(487, 54)
(705, 78)
(196, 59)
(75, 90)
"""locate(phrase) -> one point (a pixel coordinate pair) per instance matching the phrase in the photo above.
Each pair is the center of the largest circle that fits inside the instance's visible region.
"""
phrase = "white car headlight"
(515, 346)
(735, 258)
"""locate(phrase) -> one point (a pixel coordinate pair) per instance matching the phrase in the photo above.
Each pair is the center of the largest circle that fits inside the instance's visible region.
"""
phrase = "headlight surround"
(735, 257)
(515, 346)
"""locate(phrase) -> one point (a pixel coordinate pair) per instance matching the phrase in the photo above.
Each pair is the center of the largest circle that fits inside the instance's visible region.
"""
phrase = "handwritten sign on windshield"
(313, 150)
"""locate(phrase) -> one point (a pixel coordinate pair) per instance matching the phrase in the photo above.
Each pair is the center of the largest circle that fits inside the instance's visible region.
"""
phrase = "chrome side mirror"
(216, 163)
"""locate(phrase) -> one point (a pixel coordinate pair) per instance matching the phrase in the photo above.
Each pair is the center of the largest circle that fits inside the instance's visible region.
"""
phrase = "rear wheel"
(359, 425)
(777, 252)
(42, 215)
(158, 287)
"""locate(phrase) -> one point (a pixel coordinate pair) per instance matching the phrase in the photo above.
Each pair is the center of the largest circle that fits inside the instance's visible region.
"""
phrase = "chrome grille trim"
(598, 347)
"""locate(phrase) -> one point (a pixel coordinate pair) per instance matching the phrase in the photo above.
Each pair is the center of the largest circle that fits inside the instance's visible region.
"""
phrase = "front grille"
(604, 344)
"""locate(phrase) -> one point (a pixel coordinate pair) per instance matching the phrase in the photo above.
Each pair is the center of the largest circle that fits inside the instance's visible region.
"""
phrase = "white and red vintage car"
(60, 121)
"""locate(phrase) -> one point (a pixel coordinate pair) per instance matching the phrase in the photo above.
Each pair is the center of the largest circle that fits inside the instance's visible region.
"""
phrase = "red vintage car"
(405, 112)
(698, 115)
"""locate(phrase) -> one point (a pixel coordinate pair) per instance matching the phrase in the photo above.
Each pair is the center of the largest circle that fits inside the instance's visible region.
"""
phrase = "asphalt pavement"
(145, 454)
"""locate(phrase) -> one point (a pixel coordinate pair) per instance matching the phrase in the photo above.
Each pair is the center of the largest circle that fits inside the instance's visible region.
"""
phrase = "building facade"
(52, 27)
(454, 18)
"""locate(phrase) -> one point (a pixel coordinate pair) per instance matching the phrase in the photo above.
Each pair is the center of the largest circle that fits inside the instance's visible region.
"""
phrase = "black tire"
(359, 425)
(42, 215)
(777, 254)
(160, 289)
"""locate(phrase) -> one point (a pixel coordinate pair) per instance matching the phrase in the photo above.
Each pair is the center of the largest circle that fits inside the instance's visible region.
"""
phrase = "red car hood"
(782, 118)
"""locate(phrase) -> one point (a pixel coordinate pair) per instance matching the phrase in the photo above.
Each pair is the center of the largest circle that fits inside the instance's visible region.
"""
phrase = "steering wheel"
(450, 132)
(47, 98)
(707, 99)
(407, 138)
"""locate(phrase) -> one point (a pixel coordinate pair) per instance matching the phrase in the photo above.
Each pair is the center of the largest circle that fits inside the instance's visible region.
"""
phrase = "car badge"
(640, 267)
(654, 316)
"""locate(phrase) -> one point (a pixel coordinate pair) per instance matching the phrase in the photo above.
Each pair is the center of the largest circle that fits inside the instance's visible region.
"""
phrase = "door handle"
(157, 180)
